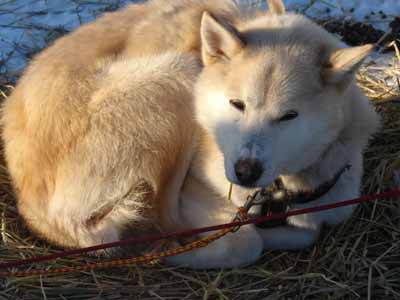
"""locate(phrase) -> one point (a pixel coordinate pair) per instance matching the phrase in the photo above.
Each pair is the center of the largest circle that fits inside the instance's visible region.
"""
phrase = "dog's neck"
(325, 168)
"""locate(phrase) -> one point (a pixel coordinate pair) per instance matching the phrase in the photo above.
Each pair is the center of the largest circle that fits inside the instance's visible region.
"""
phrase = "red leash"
(153, 238)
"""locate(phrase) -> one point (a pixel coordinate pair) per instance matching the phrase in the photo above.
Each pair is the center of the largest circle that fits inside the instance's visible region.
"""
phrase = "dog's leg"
(303, 230)
(89, 209)
(202, 207)
(288, 237)
(235, 249)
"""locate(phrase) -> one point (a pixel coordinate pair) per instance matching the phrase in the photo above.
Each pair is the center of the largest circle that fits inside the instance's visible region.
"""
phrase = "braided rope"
(240, 219)
(151, 259)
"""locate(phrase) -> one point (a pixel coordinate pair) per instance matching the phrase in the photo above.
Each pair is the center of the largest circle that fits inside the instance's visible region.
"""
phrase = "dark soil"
(357, 33)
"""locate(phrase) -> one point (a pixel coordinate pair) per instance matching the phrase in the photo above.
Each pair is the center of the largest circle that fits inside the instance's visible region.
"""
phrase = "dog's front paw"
(235, 249)
(288, 237)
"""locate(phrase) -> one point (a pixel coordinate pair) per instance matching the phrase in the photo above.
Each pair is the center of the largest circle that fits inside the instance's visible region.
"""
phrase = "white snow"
(26, 26)
(378, 13)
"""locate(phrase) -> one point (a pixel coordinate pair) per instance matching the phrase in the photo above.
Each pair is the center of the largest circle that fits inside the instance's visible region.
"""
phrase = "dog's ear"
(219, 41)
(276, 7)
(340, 67)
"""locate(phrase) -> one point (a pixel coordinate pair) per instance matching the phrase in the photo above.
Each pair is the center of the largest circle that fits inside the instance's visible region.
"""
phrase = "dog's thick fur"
(128, 122)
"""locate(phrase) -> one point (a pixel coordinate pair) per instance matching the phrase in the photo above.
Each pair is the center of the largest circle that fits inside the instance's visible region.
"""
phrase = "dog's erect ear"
(219, 41)
(276, 7)
(342, 64)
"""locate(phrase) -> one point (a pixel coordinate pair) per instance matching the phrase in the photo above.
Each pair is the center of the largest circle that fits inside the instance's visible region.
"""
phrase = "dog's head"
(273, 93)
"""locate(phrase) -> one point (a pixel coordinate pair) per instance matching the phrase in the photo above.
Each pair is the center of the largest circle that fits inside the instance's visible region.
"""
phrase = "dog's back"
(69, 116)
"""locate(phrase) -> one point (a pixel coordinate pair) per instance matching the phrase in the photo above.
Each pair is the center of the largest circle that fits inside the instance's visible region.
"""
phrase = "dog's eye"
(238, 104)
(290, 115)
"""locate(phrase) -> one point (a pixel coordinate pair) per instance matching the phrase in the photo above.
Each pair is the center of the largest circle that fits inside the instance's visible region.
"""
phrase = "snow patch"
(27, 26)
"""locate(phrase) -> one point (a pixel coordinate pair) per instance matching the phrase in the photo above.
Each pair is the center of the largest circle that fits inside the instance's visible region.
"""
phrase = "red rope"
(157, 237)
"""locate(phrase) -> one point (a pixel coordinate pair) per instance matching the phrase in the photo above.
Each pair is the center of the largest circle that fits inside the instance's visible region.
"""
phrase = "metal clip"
(258, 198)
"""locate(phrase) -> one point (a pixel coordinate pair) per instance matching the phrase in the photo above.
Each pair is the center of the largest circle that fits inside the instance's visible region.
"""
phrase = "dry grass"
(356, 260)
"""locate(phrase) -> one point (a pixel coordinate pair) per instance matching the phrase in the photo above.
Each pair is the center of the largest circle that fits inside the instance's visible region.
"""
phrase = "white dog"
(142, 119)
(278, 98)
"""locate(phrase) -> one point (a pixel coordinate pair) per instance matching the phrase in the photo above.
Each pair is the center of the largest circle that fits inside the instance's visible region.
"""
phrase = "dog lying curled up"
(111, 133)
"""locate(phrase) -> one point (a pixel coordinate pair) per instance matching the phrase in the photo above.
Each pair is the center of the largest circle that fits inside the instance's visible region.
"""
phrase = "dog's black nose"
(248, 171)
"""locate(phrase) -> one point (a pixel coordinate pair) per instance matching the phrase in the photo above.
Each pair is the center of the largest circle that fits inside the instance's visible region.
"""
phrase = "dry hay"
(356, 260)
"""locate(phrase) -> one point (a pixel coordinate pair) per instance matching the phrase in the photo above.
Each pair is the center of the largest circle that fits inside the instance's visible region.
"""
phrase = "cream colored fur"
(103, 118)
(104, 132)
(277, 64)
